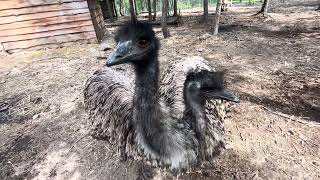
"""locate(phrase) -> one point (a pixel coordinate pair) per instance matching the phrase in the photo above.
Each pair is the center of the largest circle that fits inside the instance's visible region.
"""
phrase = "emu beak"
(120, 54)
(223, 94)
(229, 96)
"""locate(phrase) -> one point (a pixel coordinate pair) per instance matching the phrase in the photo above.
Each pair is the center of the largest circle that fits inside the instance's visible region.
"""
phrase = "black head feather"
(211, 85)
(207, 79)
(136, 43)
(136, 31)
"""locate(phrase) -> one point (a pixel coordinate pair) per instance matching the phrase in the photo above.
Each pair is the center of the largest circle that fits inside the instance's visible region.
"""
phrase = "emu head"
(136, 43)
(210, 85)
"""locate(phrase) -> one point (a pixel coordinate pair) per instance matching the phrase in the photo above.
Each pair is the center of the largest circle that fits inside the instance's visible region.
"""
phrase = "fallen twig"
(302, 121)
(295, 148)
(76, 142)
(241, 137)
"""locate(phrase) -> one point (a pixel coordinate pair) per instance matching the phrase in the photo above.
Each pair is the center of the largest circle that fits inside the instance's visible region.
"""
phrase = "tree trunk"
(175, 8)
(132, 14)
(154, 9)
(135, 7)
(217, 18)
(110, 12)
(149, 10)
(121, 8)
(115, 8)
(171, 21)
(164, 26)
(205, 11)
(223, 6)
(264, 8)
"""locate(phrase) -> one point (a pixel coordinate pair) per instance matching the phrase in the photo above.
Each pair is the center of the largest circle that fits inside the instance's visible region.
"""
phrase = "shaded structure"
(108, 9)
(35, 24)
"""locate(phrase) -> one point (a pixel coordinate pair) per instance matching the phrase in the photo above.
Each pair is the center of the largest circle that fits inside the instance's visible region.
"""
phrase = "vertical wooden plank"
(99, 27)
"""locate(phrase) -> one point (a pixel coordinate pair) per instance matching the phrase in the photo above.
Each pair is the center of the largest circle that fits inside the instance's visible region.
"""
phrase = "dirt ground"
(273, 64)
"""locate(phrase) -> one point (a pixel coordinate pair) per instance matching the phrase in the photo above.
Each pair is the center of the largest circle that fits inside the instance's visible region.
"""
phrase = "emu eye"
(143, 43)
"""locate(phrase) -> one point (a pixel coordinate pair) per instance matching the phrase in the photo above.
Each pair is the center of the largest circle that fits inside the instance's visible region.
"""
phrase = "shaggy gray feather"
(172, 90)
(108, 100)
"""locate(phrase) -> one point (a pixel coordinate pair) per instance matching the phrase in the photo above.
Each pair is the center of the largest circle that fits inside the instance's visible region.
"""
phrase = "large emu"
(175, 124)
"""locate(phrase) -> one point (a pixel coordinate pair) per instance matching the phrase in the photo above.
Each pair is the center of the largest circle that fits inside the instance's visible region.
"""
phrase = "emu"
(175, 124)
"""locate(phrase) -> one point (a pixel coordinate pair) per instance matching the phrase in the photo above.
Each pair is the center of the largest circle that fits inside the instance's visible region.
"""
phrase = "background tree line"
(141, 6)
(116, 8)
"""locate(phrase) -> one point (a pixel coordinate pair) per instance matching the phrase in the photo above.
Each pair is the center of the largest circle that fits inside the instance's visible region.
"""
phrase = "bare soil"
(273, 64)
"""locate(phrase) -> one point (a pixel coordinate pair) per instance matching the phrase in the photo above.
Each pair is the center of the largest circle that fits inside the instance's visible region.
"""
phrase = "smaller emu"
(175, 122)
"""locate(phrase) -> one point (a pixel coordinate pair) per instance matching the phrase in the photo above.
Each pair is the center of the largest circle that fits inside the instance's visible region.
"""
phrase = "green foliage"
(184, 5)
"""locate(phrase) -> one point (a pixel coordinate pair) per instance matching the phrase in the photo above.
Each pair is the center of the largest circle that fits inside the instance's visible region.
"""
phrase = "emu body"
(175, 122)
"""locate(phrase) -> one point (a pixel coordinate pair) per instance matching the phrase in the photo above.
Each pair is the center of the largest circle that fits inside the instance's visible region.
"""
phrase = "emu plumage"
(109, 95)
(191, 127)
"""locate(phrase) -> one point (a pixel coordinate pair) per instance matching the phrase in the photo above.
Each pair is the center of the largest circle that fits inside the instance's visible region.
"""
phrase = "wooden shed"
(35, 24)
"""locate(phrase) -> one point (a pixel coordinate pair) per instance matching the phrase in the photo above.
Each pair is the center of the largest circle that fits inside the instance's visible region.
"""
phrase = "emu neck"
(197, 106)
(146, 87)
(147, 113)
(147, 78)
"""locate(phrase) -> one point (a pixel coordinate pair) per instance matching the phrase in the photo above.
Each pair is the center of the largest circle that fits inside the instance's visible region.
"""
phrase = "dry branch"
(77, 142)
